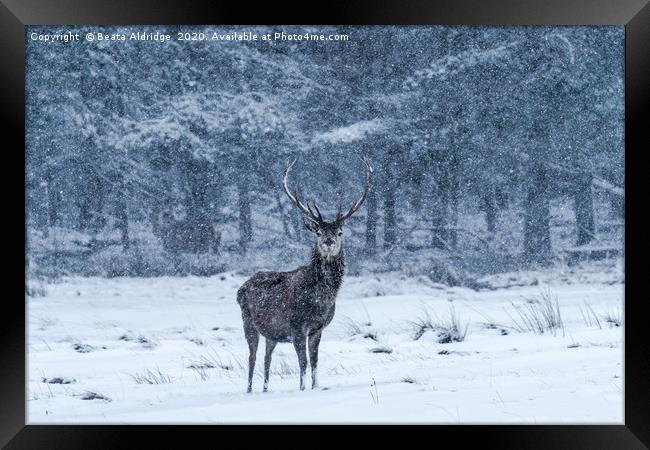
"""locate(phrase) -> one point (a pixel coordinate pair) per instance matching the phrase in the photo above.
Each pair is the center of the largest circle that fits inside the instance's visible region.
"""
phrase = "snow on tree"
(141, 144)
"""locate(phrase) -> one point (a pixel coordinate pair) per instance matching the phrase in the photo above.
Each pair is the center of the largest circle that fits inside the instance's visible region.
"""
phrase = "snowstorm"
(472, 177)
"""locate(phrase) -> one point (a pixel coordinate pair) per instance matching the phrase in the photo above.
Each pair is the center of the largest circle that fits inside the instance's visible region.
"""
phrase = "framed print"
(387, 215)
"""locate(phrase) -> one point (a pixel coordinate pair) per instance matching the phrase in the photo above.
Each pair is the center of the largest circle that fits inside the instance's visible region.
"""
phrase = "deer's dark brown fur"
(296, 306)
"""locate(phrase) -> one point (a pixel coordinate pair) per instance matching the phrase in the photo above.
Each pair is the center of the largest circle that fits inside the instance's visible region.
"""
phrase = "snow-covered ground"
(172, 350)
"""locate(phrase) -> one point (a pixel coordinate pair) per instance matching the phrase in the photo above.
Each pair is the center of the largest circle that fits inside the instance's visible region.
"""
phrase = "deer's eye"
(340, 233)
(319, 233)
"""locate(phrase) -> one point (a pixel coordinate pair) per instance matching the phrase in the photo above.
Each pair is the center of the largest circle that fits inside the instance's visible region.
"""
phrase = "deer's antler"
(369, 172)
(306, 210)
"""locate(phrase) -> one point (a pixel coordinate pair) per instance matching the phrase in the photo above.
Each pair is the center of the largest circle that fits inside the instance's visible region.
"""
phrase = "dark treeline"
(176, 149)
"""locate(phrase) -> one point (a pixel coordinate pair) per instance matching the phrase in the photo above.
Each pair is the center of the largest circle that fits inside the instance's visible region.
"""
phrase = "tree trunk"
(200, 236)
(453, 195)
(371, 223)
(53, 202)
(85, 205)
(245, 225)
(90, 202)
(439, 206)
(371, 202)
(584, 210)
(122, 222)
(416, 180)
(617, 205)
(537, 233)
(44, 219)
(198, 182)
(283, 217)
(99, 220)
(489, 206)
(40, 201)
(389, 209)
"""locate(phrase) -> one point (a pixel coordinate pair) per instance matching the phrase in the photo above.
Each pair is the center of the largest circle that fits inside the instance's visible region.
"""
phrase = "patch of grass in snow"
(152, 377)
(36, 288)
(374, 392)
(494, 326)
(236, 366)
(614, 319)
(408, 380)
(381, 349)
(46, 322)
(538, 315)
(589, 317)
(83, 348)
(201, 364)
(90, 395)
(201, 372)
(38, 279)
(354, 328)
(140, 339)
(490, 324)
(281, 368)
(42, 393)
(58, 380)
(212, 359)
(447, 330)
(197, 341)
(340, 369)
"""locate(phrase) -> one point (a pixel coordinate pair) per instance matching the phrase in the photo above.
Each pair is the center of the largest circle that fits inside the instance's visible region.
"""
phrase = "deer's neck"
(328, 270)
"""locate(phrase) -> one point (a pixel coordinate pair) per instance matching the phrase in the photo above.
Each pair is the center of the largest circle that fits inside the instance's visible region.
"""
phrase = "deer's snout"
(329, 242)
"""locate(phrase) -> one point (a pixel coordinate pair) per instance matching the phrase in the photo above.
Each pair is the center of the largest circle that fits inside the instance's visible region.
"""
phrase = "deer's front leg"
(314, 342)
(300, 344)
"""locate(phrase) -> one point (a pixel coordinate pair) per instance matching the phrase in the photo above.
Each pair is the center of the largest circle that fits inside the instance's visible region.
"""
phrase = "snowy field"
(172, 350)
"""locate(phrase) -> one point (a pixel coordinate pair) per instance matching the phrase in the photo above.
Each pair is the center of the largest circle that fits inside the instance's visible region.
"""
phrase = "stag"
(296, 306)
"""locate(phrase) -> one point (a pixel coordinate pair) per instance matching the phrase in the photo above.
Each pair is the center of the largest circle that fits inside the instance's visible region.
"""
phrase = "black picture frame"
(633, 14)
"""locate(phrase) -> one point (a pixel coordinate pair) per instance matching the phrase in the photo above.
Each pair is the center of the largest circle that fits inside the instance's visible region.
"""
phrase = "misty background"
(494, 148)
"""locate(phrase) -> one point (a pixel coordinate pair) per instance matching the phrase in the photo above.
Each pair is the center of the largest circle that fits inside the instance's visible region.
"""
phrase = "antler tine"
(340, 207)
(358, 203)
(318, 214)
(294, 197)
(304, 208)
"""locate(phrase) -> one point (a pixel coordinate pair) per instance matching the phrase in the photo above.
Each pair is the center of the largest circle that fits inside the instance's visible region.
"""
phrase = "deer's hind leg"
(270, 346)
(252, 337)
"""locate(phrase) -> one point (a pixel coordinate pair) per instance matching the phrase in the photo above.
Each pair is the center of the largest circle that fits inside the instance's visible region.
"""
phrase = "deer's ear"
(311, 225)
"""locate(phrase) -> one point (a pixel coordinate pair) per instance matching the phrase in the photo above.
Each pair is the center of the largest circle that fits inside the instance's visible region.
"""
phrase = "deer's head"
(330, 234)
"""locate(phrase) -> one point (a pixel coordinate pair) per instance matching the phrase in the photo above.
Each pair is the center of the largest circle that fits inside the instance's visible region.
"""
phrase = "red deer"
(296, 306)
